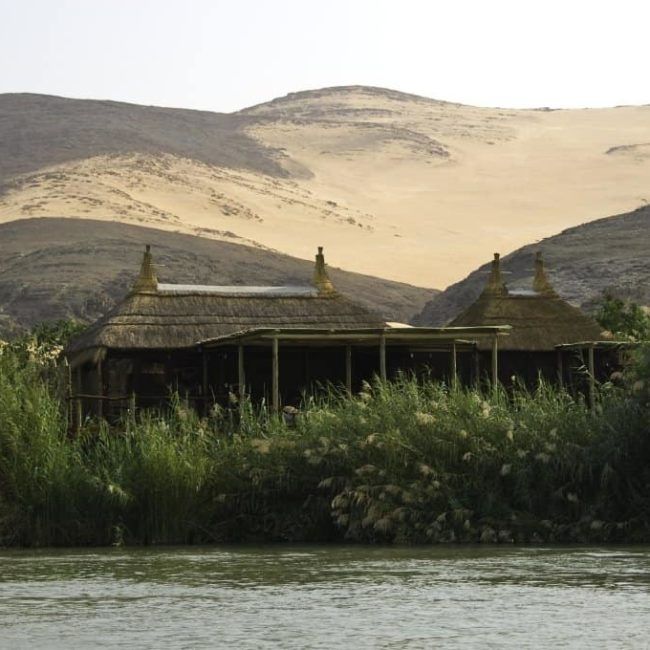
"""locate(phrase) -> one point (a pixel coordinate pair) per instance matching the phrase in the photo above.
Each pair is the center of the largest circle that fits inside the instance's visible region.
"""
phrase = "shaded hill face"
(38, 131)
(393, 185)
(71, 268)
(608, 255)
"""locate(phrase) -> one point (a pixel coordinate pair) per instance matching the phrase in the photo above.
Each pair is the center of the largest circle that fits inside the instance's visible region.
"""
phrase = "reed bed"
(400, 462)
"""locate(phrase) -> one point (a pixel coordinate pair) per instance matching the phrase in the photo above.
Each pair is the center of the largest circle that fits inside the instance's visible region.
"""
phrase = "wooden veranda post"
(100, 390)
(454, 367)
(204, 382)
(382, 357)
(348, 369)
(560, 369)
(495, 363)
(69, 392)
(275, 380)
(592, 378)
(78, 402)
(241, 373)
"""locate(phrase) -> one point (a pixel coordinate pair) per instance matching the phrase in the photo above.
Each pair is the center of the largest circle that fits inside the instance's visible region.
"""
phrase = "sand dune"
(392, 185)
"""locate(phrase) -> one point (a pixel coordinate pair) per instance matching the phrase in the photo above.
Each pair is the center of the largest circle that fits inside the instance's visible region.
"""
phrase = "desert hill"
(393, 185)
(77, 268)
(39, 131)
(608, 255)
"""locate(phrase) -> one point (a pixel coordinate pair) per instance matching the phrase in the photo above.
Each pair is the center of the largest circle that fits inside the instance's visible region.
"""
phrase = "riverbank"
(400, 462)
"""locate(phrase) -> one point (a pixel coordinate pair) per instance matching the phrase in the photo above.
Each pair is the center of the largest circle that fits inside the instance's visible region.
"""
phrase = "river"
(325, 597)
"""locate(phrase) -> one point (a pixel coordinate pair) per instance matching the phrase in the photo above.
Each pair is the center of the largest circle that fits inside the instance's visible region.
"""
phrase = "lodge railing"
(78, 402)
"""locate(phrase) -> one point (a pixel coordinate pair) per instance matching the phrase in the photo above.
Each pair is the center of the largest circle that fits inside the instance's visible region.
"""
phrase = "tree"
(625, 320)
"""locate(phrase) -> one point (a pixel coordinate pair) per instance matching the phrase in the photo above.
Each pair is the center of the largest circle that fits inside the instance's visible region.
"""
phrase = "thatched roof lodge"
(540, 320)
(210, 342)
(178, 316)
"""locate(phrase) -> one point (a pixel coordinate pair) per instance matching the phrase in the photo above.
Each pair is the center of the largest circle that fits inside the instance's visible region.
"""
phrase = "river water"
(326, 597)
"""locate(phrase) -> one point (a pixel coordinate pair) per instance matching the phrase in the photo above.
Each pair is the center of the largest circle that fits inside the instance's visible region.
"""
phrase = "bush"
(625, 320)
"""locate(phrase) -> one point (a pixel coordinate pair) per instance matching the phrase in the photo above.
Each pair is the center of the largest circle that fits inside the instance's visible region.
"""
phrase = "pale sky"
(224, 55)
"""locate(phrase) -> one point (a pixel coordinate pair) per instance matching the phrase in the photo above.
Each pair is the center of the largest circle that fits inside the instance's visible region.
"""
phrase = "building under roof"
(177, 316)
(540, 320)
(210, 342)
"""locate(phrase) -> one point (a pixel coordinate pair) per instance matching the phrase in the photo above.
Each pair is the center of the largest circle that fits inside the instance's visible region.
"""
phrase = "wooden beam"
(560, 369)
(69, 408)
(382, 357)
(275, 378)
(100, 392)
(362, 335)
(477, 368)
(241, 372)
(592, 379)
(348, 369)
(349, 335)
(307, 369)
(495, 363)
(454, 367)
(204, 382)
(78, 401)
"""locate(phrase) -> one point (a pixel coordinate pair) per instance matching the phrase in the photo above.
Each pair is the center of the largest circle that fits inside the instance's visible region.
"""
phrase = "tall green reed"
(401, 461)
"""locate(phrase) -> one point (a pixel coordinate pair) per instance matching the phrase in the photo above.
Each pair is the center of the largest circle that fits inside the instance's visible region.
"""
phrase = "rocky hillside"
(77, 268)
(393, 185)
(608, 255)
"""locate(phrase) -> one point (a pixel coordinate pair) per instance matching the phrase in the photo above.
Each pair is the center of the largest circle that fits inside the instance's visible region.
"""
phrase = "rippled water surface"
(326, 597)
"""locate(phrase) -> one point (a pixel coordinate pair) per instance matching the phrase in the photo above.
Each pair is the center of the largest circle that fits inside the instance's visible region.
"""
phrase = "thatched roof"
(540, 319)
(168, 316)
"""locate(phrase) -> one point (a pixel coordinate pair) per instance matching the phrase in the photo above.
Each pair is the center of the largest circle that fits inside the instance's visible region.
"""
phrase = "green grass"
(399, 462)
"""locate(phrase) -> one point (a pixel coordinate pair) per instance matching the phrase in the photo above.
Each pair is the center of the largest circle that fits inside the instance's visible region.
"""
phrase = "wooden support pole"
(241, 373)
(204, 384)
(382, 357)
(592, 379)
(275, 379)
(78, 402)
(560, 369)
(348, 369)
(454, 367)
(69, 392)
(307, 370)
(204, 381)
(100, 389)
(477, 368)
(495, 363)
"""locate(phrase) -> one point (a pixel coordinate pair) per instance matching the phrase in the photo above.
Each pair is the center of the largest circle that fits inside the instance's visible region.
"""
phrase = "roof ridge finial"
(541, 283)
(495, 284)
(147, 281)
(321, 279)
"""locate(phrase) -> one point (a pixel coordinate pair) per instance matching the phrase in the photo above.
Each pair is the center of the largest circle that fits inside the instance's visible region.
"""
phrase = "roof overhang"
(89, 355)
(601, 345)
(396, 335)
